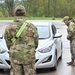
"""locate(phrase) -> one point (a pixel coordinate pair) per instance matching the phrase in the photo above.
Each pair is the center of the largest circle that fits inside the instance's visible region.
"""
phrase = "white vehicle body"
(50, 46)
(49, 49)
(4, 56)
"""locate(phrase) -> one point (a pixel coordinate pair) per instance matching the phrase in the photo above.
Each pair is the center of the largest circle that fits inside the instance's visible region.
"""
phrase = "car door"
(57, 41)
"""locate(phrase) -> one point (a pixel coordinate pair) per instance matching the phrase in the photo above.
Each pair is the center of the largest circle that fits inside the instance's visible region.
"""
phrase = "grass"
(6, 18)
(31, 18)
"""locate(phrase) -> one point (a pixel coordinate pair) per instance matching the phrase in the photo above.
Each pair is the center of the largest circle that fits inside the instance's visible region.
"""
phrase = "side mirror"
(1, 36)
(57, 35)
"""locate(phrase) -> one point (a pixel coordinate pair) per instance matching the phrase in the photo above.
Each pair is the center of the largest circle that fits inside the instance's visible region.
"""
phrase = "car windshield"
(43, 31)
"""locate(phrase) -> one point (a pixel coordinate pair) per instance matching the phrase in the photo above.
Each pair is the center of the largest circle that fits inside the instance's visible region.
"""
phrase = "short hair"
(65, 18)
(20, 11)
(70, 18)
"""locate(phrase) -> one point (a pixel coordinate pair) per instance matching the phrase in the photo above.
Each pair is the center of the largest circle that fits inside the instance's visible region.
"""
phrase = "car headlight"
(44, 50)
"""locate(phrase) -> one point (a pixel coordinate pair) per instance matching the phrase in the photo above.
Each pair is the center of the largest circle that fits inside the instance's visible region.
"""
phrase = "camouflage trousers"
(22, 69)
(72, 48)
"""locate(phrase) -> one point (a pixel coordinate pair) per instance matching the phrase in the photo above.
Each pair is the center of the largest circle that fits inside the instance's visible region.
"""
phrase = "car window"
(53, 29)
(43, 32)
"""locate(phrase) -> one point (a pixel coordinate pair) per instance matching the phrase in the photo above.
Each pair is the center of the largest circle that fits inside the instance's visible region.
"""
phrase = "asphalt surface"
(63, 68)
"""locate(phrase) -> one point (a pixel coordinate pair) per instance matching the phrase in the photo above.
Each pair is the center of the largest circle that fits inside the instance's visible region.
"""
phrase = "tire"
(2, 70)
(7, 70)
(55, 66)
(60, 57)
(61, 53)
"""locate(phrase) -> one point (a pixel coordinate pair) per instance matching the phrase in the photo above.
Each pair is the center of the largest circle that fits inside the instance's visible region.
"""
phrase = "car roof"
(40, 22)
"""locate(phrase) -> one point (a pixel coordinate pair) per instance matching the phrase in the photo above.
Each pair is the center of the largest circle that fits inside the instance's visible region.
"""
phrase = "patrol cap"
(21, 8)
(65, 18)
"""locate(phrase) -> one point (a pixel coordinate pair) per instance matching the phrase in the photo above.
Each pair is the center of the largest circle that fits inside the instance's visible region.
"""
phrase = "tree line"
(40, 8)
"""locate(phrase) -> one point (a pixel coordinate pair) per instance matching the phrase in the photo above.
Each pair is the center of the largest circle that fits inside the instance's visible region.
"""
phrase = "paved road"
(63, 68)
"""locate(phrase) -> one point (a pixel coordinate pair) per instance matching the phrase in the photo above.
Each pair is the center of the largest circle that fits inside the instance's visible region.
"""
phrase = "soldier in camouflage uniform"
(22, 52)
(71, 36)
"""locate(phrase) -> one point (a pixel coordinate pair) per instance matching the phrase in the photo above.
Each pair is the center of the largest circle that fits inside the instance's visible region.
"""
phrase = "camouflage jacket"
(71, 31)
(24, 49)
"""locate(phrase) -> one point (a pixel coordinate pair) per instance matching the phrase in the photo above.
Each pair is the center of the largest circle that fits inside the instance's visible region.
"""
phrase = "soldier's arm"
(36, 36)
(71, 31)
(6, 36)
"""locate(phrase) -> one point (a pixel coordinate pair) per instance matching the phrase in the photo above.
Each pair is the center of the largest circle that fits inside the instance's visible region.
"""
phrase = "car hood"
(44, 43)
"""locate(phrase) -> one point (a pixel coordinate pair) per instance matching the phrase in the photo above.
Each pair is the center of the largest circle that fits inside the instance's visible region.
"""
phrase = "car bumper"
(47, 60)
(4, 61)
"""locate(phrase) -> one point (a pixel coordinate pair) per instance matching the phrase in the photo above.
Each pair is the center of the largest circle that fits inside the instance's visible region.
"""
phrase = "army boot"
(74, 64)
(71, 62)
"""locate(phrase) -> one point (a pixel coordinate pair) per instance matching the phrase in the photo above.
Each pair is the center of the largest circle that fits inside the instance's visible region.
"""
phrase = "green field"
(32, 18)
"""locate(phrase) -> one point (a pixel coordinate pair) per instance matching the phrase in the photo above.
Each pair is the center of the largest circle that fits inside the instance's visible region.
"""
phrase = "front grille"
(8, 61)
(36, 60)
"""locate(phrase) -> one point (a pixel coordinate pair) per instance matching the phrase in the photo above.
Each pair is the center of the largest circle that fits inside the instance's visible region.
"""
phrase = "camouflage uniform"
(71, 37)
(22, 53)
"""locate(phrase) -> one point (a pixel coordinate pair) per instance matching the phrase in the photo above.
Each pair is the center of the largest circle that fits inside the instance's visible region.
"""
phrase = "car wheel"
(61, 52)
(55, 67)
(7, 70)
(2, 70)
(60, 57)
